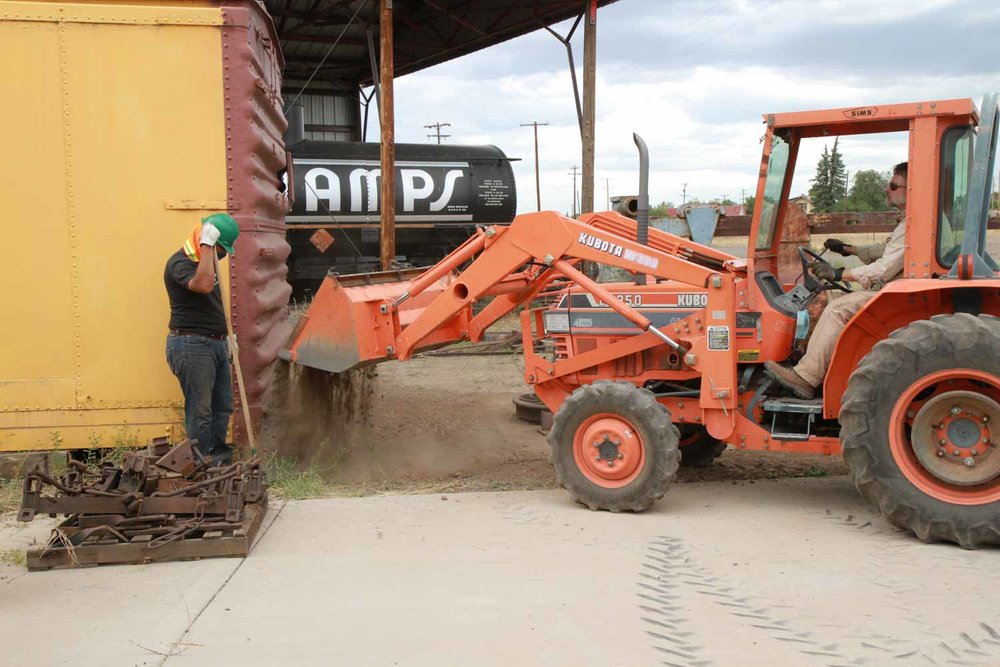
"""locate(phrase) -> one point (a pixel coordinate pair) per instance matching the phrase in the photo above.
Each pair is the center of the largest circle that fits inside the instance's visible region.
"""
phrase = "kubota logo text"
(592, 241)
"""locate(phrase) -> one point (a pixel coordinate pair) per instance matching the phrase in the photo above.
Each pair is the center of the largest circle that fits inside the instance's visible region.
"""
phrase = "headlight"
(556, 322)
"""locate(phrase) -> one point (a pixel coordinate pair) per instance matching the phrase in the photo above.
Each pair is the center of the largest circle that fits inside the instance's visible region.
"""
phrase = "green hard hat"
(228, 229)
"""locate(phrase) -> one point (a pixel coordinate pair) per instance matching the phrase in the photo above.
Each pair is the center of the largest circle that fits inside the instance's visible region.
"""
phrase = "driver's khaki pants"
(813, 365)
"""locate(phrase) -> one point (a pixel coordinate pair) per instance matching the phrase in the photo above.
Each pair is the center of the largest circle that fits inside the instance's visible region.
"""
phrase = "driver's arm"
(886, 267)
(869, 253)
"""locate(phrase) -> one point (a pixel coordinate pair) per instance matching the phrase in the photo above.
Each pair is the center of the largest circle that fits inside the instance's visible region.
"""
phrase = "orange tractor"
(637, 373)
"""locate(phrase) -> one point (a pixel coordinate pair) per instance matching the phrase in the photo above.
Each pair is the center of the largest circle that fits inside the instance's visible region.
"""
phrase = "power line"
(437, 128)
(575, 171)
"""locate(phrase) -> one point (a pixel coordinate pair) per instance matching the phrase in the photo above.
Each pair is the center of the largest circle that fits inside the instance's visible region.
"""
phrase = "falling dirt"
(448, 423)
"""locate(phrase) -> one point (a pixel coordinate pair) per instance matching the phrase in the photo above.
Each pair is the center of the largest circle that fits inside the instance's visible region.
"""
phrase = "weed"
(10, 495)
(813, 471)
(286, 479)
(13, 557)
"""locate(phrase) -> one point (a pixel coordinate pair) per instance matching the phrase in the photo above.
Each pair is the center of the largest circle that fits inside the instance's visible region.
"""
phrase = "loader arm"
(351, 325)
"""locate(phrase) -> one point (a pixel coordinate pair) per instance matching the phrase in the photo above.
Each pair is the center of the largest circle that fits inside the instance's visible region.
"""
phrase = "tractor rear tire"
(915, 401)
(614, 447)
(698, 448)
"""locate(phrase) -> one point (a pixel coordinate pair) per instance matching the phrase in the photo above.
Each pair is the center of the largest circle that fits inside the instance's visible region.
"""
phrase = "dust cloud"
(419, 419)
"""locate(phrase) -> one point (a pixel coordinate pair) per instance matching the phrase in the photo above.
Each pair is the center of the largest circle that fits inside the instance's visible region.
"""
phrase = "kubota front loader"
(671, 364)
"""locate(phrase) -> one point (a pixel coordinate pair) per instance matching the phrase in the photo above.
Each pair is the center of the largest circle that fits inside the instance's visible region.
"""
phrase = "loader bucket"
(351, 322)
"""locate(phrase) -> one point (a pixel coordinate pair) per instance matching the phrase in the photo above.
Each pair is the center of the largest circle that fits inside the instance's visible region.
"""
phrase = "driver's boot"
(789, 379)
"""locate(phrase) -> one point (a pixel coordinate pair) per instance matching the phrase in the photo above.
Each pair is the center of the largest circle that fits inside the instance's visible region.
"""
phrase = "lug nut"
(942, 442)
(611, 464)
(955, 410)
(975, 452)
(598, 459)
(956, 452)
(940, 452)
(970, 462)
(986, 419)
(621, 456)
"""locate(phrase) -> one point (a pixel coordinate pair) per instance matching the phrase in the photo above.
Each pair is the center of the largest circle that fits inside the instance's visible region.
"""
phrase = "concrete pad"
(109, 615)
(791, 572)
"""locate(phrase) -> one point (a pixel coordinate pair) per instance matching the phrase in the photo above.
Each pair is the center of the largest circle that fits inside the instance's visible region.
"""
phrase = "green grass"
(813, 471)
(286, 479)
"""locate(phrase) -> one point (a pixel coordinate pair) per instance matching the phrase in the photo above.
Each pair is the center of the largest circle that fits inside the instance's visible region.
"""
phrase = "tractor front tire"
(698, 448)
(919, 423)
(614, 447)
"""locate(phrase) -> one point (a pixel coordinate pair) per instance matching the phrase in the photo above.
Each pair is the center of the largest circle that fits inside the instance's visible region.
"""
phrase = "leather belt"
(178, 332)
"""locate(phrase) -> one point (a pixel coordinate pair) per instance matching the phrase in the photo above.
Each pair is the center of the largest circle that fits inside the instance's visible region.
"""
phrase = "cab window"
(956, 169)
(777, 168)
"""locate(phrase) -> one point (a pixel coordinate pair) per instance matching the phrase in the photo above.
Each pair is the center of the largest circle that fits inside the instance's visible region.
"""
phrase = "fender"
(896, 305)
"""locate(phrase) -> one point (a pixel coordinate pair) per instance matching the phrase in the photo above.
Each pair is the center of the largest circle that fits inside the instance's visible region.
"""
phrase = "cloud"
(694, 78)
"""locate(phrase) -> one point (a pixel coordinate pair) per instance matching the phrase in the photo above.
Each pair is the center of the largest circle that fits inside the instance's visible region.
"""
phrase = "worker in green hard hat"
(197, 347)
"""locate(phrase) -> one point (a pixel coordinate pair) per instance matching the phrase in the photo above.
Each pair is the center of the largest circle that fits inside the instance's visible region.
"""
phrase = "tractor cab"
(951, 153)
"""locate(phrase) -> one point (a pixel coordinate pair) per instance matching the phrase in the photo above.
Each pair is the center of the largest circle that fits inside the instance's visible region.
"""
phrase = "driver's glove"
(824, 271)
(836, 245)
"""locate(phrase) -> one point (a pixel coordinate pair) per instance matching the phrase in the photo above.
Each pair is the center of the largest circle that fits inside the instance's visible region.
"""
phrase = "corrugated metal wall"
(255, 158)
(329, 118)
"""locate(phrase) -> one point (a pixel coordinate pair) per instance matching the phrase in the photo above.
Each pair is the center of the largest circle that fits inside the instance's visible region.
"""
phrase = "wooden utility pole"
(387, 121)
(589, 104)
(437, 129)
(538, 181)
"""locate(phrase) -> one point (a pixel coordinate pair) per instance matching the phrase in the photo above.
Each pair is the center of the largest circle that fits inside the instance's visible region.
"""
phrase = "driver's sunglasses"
(895, 186)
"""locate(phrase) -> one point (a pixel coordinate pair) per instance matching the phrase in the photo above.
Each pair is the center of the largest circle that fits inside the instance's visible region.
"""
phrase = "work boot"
(789, 379)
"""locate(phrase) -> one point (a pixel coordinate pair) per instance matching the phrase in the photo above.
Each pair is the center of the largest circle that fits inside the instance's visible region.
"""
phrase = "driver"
(882, 264)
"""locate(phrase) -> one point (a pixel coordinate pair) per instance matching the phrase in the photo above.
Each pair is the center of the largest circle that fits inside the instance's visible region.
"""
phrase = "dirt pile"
(421, 419)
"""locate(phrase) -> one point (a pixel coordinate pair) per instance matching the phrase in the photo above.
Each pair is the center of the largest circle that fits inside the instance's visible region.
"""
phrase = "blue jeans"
(202, 368)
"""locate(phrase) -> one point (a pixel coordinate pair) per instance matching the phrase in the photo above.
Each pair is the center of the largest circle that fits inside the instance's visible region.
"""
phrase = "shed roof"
(426, 32)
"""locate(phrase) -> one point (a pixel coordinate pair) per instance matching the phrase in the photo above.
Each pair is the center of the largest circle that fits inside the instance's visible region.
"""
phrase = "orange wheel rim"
(608, 450)
(941, 435)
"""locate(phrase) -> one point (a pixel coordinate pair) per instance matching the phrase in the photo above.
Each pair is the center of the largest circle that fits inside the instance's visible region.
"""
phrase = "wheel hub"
(953, 440)
(608, 450)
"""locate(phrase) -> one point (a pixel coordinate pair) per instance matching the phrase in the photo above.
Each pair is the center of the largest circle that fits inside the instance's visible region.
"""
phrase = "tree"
(749, 203)
(867, 193)
(830, 181)
(727, 202)
(838, 173)
(660, 210)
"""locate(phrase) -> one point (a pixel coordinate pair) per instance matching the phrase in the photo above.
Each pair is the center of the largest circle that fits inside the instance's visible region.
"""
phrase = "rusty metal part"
(145, 485)
(171, 538)
(180, 459)
(135, 469)
(147, 508)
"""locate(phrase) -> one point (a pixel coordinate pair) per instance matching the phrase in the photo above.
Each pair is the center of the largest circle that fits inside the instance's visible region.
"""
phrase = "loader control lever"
(812, 283)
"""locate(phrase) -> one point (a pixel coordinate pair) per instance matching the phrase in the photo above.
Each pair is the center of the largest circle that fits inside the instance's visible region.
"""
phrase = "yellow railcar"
(124, 124)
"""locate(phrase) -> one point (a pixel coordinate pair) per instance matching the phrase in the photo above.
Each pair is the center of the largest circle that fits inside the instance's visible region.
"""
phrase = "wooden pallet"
(212, 545)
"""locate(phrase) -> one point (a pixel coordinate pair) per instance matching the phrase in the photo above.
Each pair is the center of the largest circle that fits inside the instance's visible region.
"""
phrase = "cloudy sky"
(693, 78)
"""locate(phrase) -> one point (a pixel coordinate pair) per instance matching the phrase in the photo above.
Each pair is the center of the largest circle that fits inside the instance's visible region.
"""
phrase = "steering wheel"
(813, 283)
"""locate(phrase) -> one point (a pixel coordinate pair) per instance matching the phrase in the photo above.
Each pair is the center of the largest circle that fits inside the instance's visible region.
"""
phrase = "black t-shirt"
(190, 311)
